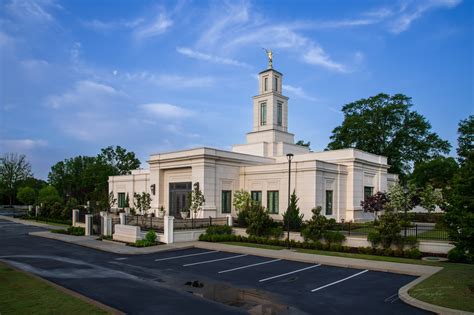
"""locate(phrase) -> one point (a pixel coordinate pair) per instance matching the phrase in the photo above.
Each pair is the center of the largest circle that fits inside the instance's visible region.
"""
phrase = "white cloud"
(164, 110)
(30, 11)
(84, 94)
(21, 145)
(102, 26)
(209, 57)
(158, 26)
(317, 56)
(171, 81)
(298, 91)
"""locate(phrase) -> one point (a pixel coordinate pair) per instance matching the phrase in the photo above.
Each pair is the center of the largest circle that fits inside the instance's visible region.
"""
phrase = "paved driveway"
(198, 281)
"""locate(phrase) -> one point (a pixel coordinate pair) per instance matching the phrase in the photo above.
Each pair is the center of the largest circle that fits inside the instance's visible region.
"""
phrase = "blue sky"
(153, 76)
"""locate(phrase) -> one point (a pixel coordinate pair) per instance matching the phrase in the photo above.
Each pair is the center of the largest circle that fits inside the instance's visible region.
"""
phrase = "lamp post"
(289, 156)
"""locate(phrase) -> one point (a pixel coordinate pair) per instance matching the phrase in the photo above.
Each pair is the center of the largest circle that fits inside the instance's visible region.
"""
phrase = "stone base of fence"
(127, 233)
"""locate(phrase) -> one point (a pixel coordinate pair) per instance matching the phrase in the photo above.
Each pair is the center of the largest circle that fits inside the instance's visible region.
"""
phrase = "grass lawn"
(24, 294)
(452, 287)
(48, 222)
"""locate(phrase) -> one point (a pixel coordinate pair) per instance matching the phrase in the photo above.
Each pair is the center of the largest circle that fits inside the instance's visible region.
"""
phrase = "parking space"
(307, 287)
(190, 280)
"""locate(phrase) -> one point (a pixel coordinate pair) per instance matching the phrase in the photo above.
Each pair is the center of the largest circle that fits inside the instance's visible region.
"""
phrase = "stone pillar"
(122, 218)
(229, 220)
(29, 210)
(88, 224)
(36, 211)
(205, 173)
(168, 229)
(75, 216)
(106, 225)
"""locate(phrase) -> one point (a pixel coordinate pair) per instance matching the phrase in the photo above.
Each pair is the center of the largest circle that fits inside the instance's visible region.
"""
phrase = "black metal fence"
(418, 231)
(145, 223)
(190, 224)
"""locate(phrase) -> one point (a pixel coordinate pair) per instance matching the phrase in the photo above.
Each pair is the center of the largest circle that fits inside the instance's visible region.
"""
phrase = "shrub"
(414, 253)
(259, 221)
(292, 216)
(151, 236)
(142, 243)
(374, 238)
(76, 230)
(334, 237)
(276, 232)
(219, 230)
(316, 226)
(456, 255)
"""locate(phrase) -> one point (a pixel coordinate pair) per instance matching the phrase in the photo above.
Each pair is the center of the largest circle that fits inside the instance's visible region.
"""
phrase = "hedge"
(410, 253)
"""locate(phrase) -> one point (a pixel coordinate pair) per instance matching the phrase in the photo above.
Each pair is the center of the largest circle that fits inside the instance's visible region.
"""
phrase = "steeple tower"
(270, 107)
(270, 136)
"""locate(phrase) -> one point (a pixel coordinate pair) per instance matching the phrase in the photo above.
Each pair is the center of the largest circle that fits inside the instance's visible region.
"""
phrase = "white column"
(168, 229)
(229, 220)
(29, 210)
(75, 216)
(88, 224)
(36, 210)
(122, 218)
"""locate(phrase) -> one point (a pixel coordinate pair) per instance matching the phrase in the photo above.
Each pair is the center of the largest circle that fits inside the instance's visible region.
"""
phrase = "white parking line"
(248, 266)
(338, 281)
(182, 256)
(289, 273)
(214, 260)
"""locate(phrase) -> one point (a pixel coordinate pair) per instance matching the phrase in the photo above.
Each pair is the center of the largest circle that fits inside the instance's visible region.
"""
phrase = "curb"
(84, 298)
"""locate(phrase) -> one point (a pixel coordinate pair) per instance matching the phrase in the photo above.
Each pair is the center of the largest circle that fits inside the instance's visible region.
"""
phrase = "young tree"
(465, 138)
(242, 200)
(385, 125)
(431, 197)
(375, 203)
(26, 195)
(401, 199)
(197, 200)
(317, 226)
(14, 168)
(292, 214)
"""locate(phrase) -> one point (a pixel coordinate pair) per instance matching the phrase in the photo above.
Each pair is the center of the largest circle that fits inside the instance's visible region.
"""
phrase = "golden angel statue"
(270, 58)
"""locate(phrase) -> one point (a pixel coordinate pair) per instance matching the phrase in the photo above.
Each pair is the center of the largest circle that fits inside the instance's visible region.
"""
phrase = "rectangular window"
(368, 192)
(273, 201)
(226, 201)
(121, 200)
(276, 84)
(265, 86)
(256, 196)
(263, 114)
(279, 113)
(329, 202)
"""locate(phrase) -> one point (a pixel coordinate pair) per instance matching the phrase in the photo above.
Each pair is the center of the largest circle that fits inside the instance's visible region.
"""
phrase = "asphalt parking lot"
(200, 281)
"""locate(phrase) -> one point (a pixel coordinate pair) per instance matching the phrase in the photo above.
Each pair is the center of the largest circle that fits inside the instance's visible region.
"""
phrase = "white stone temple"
(336, 180)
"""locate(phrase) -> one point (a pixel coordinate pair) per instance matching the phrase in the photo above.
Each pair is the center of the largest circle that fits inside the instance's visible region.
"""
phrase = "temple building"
(336, 180)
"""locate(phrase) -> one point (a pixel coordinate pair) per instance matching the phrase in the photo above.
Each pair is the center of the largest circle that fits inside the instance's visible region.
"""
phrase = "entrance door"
(179, 197)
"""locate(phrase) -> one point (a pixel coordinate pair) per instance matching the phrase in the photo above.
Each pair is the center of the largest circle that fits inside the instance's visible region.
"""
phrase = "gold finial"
(270, 58)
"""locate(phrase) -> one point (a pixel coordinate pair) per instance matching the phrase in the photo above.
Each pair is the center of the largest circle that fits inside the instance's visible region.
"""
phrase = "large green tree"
(465, 138)
(119, 159)
(85, 178)
(436, 172)
(385, 124)
(14, 168)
